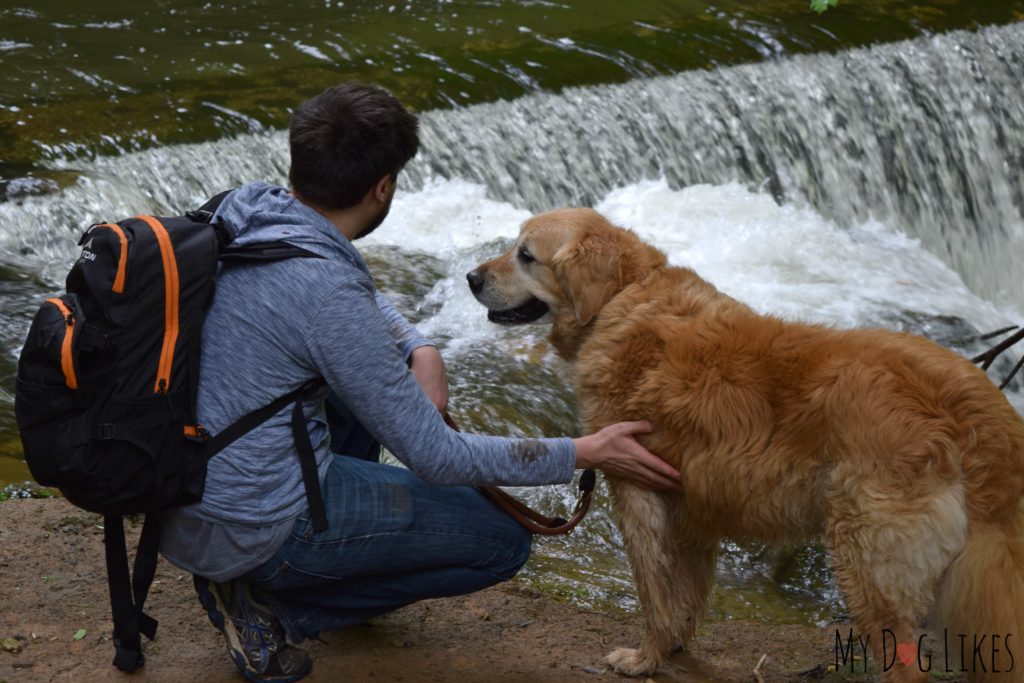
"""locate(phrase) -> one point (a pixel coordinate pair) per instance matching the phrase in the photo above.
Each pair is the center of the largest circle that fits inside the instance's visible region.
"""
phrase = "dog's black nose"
(475, 279)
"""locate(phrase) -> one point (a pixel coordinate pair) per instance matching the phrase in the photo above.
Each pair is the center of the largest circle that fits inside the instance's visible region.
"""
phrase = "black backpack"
(105, 397)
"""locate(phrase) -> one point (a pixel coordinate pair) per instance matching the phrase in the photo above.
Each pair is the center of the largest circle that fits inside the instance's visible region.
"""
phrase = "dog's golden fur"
(902, 453)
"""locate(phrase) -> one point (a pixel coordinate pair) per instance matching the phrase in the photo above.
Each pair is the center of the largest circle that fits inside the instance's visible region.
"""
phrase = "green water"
(85, 78)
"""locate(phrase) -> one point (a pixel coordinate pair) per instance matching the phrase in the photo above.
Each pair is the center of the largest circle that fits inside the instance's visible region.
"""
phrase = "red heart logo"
(907, 652)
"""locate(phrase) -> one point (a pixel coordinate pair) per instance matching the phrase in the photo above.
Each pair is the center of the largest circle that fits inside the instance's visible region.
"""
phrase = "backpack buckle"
(196, 433)
(199, 216)
(105, 431)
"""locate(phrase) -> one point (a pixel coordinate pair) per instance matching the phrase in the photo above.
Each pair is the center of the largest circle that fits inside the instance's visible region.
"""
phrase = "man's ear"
(589, 274)
(381, 189)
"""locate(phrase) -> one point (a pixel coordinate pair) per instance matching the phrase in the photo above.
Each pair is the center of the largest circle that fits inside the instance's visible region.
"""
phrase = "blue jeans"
(391, 540)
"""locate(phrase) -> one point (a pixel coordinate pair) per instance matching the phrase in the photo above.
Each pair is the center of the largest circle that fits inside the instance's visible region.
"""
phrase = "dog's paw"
(631, 662)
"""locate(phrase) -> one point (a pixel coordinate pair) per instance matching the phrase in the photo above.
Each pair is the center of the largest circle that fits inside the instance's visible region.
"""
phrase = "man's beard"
(377, 220)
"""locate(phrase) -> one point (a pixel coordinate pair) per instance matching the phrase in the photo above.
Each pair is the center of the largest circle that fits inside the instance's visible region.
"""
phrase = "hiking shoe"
(255, 638)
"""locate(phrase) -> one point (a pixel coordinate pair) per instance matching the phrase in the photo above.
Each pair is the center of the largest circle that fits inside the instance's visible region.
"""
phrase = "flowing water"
(876, 186)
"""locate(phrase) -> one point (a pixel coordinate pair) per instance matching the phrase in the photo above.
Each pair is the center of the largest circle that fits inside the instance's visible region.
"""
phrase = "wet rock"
(26, 186)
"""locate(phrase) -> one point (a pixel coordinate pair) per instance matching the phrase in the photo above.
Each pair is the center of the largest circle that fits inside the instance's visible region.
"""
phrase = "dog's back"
(779, 404)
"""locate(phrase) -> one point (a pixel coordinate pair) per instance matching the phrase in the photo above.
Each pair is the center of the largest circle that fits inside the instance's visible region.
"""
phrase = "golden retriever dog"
(902, 454)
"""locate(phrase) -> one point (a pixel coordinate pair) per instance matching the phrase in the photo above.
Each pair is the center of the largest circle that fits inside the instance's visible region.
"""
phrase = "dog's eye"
(525, 256)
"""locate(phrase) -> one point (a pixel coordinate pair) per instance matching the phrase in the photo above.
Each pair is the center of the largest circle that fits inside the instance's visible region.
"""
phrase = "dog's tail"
(979, 616)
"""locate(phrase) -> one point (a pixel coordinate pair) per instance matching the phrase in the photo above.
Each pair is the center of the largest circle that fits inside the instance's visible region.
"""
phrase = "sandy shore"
(53, 586)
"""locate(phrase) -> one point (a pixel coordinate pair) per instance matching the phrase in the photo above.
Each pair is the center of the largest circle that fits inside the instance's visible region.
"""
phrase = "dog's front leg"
(672, 578)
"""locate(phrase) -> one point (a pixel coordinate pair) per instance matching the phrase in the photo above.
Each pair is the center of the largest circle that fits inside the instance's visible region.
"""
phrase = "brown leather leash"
(529, 518)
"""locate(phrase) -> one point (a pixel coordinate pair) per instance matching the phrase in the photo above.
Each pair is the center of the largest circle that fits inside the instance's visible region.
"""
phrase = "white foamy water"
(792, 262)
(781, 260)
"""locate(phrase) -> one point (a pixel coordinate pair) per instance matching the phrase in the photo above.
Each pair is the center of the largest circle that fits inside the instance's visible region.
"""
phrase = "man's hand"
(428, 368)
(615, 451)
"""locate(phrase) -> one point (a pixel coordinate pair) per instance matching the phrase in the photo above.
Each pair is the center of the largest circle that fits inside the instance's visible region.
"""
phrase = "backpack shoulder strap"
(264, 251)
(267, 251)
(300, 432)
(307, 465)
(249, 421)
(128, 592)
(204, 214)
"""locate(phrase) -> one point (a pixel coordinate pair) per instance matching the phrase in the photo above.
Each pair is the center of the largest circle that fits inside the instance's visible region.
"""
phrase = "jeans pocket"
(302, 530)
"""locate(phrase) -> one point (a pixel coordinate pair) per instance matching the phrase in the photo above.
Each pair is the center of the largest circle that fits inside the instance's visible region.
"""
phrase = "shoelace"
(261, 636)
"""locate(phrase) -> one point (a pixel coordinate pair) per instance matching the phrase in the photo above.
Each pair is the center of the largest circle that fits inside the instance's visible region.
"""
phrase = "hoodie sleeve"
(406, 335)
(351, 345)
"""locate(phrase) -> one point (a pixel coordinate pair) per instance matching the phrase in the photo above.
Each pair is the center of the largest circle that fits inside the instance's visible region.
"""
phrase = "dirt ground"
(53, 588)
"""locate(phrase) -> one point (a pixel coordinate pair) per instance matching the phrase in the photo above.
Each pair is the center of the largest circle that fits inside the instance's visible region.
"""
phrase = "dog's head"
(564, 267)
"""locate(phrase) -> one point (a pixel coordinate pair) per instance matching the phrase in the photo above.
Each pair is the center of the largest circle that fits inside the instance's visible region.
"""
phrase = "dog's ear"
(589, 273)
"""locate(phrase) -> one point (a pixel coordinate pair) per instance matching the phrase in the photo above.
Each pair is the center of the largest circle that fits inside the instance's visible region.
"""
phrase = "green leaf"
(80, 633)
(820, 6)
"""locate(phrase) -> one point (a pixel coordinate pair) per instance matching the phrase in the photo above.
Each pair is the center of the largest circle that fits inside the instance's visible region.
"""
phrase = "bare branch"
(987, 357)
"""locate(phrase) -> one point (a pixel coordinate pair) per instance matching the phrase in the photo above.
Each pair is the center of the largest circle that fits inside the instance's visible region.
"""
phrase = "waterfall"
(925, 135)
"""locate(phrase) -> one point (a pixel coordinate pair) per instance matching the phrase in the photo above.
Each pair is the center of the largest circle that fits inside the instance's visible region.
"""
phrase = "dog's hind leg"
(888, 554)
(672, 579)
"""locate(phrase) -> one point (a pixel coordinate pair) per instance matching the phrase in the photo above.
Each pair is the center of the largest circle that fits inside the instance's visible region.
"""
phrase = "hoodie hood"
(260, 212)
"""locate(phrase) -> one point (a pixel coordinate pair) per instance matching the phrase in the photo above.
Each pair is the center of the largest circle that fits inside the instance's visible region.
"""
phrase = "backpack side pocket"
(46, 403)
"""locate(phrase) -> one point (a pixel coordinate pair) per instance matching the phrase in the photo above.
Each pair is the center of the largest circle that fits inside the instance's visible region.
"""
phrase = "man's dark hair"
(346, 139)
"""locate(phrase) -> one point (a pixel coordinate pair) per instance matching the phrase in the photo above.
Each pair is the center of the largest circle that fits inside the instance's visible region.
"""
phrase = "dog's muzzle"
(533, 309)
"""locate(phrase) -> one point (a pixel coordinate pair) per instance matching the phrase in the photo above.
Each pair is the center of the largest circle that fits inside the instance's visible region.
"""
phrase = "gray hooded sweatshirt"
(270, 328)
